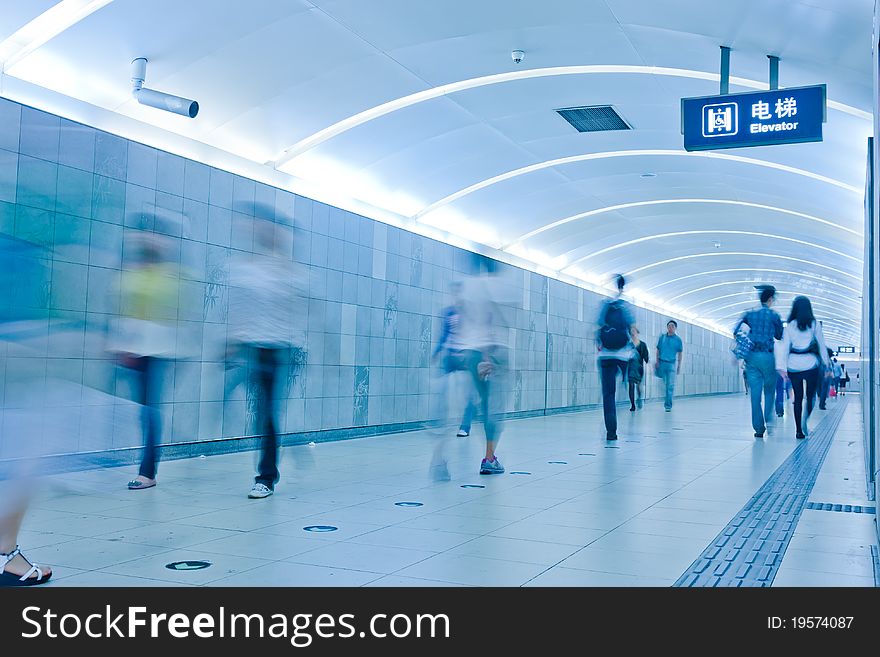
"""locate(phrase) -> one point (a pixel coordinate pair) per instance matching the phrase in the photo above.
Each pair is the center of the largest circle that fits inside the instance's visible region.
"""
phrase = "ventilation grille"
(595, 118)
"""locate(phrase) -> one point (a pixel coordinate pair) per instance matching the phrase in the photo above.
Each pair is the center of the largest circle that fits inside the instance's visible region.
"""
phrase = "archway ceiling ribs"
(648, 51)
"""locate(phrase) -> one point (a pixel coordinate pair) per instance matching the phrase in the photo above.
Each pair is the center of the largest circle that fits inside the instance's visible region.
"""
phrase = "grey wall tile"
(8, 175)
(10, 125)
(170, 173)
(40, 134)
(77, 146)
(142, 165)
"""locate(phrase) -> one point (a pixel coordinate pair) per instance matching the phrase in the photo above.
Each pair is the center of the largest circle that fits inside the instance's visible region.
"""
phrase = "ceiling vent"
(595, 118)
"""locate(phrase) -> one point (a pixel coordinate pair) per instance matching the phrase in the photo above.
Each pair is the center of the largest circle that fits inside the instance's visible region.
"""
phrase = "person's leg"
(780, 396)
(632, 395)
(797, 384)
(608, 372)
(267, 364)
(823, 388)
(10, 525)
(756, 383)
(812, 381)
(669, 380)
(770, 375)
(149, 375)
(641, 388)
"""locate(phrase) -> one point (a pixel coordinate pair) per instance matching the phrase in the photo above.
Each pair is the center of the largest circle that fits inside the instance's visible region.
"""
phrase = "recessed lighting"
(649, 175)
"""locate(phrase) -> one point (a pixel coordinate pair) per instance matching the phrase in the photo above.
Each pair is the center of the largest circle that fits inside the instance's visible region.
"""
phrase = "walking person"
(844, 379)
(450, 356)
(635, 372)
(826, 377)
(668, 363)
(765, 326)
(616, 323)
(801, 355)
(145, 340)
(263, 292)
(483, 336)
(836, 373)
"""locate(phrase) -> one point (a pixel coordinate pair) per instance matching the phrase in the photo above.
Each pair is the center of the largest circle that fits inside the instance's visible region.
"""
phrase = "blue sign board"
(759, 118)
(846, 350)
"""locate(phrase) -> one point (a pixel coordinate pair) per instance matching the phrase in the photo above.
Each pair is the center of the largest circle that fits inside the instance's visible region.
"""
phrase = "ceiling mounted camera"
(517, 56)
(158, 99)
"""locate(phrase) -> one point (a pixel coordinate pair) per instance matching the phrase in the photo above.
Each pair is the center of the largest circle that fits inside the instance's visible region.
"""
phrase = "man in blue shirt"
(668, 364)
(765, 326)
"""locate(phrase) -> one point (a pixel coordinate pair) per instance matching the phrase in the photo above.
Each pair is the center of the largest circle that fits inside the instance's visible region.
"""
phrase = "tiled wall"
(376, 293)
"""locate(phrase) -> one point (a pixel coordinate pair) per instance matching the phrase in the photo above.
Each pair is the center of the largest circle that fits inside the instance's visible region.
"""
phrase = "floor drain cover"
(559, 462)
(320, 528)
(520, 472)
(187, 565)
(472, 486)
(586, 454)
(407, 504)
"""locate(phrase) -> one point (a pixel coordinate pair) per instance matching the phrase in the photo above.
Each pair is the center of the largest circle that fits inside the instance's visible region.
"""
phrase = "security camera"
(158, 99)
(517, 56)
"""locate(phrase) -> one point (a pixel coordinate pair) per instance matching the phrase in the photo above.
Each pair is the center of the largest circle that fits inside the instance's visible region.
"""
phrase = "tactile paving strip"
(843, 508)
(749, 550)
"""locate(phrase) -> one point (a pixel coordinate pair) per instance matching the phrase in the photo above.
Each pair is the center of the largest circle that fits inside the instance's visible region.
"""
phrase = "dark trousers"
(635, 387)
(267, 361)
(811, 378)
(149, 373)
(609, 369)
(824, 387)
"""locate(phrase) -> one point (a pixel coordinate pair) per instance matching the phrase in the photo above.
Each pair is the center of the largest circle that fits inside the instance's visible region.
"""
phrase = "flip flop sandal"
(11, 579)
(134, 484)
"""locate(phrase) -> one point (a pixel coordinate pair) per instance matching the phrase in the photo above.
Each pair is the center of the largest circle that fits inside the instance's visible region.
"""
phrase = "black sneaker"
(801, 436)
(759, 434)
(611, 438)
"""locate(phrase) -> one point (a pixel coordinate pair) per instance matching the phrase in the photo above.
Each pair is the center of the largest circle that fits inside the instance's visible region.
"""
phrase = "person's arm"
(777, 327)
(657, 354)
(823, 348)
(780, 351)
(644, 352)
(444, 334)
(742, 320)
(679, 355)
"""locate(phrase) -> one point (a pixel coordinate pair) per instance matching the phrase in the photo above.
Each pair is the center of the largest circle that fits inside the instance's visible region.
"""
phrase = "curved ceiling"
(416, 110)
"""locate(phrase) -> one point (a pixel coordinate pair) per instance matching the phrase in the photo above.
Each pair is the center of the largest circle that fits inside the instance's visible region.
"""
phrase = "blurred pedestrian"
(635, 372)
(615, 346)
(668, 363)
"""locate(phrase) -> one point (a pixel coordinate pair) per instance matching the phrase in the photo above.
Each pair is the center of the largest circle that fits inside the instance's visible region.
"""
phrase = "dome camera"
(517, 56)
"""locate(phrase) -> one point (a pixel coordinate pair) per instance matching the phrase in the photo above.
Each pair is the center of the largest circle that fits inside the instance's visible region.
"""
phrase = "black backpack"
(614, 333)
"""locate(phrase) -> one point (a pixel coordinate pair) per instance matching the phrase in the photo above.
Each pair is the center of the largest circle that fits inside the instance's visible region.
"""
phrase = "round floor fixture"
(408, 504)
(320, 528)
(188, 565)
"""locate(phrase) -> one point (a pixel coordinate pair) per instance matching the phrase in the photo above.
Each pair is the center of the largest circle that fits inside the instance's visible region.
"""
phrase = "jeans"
(667, 373)
(455, 361)
(811, 378)
(780, 395)
(266, 373)
(761, 374)
(490, 389)
(609, 368)
(149, 369)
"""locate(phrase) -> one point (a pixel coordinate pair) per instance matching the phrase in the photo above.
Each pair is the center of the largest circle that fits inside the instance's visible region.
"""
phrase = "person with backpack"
(801, 355)
(668, 363)
(836, 373)
(765, 326)
(615, 350)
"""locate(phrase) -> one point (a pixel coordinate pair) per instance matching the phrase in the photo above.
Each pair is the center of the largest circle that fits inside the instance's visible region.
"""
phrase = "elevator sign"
(760, 118)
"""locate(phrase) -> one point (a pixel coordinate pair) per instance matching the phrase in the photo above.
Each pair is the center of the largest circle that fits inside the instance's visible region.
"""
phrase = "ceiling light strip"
(796, 274)
(585, 157)
(637, 204)
(46, 27)
(716, 254)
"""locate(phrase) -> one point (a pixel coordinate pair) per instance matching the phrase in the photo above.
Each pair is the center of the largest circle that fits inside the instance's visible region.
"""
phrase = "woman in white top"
(799, 355)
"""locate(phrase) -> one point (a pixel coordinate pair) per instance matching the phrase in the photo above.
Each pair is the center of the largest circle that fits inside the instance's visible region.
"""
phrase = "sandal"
(137, 484)
(11, 579)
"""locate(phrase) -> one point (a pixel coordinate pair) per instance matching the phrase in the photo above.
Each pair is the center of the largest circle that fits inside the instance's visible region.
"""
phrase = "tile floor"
(587, 514)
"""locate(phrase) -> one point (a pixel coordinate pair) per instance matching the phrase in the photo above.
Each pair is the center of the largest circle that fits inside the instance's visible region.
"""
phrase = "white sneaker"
(259, 491)
(462, 433)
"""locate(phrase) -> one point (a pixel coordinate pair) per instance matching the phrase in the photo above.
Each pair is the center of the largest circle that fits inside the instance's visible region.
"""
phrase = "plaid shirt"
(764, 325)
